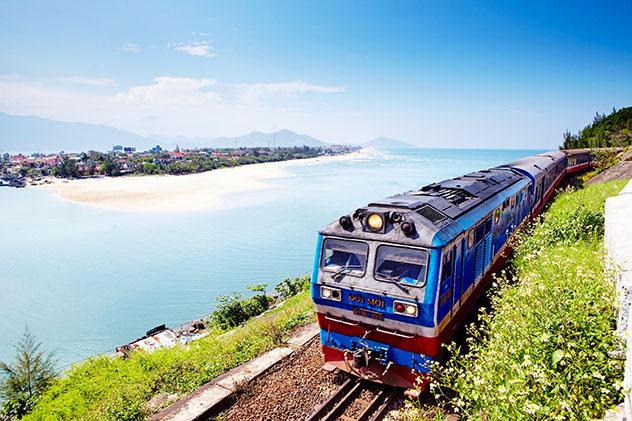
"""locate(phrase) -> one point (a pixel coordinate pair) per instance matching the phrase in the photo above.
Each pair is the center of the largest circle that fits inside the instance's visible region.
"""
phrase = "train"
(393, 280)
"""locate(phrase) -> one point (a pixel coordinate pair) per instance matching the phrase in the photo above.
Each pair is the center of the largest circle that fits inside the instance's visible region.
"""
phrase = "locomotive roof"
(452, 198)
(534, 165)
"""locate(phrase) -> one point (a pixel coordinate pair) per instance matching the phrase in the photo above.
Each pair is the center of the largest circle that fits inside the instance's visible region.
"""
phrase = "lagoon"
(86, 280)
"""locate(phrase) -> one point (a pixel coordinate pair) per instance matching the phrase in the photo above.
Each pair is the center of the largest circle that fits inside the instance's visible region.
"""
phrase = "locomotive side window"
(344, 255)
(400, 264)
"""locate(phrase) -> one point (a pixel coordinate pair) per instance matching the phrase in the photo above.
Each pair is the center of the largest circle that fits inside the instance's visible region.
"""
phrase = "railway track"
(356, 400)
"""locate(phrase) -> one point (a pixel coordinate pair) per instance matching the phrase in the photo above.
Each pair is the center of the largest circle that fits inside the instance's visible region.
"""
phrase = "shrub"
(289, 287)
(544, 349)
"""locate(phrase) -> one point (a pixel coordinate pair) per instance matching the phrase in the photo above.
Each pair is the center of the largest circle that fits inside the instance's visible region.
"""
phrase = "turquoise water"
(87, 280)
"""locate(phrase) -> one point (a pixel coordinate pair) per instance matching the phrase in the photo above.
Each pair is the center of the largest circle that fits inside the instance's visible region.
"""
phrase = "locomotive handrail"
(394, 333)
(343, 321)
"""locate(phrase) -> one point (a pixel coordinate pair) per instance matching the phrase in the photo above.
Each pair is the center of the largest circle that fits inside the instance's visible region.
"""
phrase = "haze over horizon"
(461, 74)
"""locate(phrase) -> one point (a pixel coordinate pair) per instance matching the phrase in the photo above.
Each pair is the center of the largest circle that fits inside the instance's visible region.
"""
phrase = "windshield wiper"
(341, 273)
(395, 280)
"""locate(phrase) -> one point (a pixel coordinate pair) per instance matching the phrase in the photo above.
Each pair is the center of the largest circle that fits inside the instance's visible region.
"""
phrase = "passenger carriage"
(393, 280)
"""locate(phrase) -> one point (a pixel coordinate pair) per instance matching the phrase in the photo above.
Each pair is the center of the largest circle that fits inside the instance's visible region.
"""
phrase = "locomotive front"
(374, 288)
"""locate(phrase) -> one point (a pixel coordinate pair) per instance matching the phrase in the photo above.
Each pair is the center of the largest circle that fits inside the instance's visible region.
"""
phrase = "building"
(156, 149)
(129, 149)
(117, 148)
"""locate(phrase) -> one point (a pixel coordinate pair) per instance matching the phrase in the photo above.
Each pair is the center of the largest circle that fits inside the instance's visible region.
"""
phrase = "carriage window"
(496, 216)
(344, 255)
(399, 264)
(470, 238)
(505, 204)
(446, 270)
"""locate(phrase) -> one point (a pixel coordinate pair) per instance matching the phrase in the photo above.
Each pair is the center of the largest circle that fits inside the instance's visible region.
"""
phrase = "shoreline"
(199, 192)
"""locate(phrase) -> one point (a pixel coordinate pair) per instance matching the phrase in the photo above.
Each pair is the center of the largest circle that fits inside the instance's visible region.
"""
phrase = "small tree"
(110, 166)
(28, 376)
(67, 168)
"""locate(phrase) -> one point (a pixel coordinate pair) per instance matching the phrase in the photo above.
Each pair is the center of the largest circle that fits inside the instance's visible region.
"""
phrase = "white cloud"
(168, 91)
(198, 48)
(168, 105)
(90, 81)
(131, 47)
(253, 92)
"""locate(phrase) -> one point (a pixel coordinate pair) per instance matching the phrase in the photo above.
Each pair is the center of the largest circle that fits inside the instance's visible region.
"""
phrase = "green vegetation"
(25, 379)
(233, 310)
(156, 161)
(543, 352)
(119, 389)
(603, 160)
(67, 168)
(614, 130)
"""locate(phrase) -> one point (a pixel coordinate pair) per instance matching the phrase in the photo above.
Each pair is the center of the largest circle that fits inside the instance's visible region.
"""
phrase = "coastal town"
(20, 170)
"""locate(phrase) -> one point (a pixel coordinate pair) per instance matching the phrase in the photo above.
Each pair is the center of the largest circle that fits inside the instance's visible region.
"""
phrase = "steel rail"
(339, 401)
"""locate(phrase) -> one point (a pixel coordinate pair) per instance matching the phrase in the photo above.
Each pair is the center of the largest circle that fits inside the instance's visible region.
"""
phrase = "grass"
(544, 351)
(119, 389)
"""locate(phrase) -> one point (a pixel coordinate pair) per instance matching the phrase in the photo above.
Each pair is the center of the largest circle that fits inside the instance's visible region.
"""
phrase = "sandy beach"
(186, 193)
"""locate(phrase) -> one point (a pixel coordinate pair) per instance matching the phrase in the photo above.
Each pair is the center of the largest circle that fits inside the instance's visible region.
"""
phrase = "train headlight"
(405, 308)
(330, 293)
(375, 222)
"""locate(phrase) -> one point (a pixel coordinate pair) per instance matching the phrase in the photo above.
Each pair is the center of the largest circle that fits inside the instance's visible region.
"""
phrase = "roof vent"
(455, 196)
(431, 214)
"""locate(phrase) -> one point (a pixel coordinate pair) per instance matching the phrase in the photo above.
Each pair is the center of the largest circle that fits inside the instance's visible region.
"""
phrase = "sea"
(86, 280)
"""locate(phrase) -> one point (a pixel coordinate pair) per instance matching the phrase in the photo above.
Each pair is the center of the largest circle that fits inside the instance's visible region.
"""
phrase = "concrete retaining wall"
(618, 242)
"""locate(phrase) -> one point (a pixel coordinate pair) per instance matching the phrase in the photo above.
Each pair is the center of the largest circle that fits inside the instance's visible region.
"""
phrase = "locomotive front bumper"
(375, 361)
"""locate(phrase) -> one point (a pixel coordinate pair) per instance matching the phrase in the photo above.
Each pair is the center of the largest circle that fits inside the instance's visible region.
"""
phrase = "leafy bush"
(603, 160)
(544, 350)
(233, 310)
(290, 287)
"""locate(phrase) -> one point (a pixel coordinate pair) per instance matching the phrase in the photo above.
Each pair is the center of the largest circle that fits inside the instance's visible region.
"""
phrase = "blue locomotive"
(393, 280)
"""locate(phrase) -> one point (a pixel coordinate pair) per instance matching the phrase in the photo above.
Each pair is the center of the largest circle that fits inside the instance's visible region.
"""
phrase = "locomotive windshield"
(344, 256)
(399, 264)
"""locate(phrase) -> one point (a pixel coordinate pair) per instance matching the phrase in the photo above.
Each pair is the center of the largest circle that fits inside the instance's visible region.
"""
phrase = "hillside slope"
(613, 130)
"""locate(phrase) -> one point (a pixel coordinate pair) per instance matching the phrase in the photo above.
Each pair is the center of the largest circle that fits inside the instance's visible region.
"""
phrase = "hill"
(32, 133)
(611, 130)
(386, 143)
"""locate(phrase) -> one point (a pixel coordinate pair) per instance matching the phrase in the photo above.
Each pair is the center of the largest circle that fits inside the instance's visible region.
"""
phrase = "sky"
(475, 74)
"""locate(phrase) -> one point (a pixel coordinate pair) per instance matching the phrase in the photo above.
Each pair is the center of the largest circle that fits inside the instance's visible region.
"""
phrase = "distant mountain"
(32, 133)
(37, 134)
(385, 143)
(283, 138)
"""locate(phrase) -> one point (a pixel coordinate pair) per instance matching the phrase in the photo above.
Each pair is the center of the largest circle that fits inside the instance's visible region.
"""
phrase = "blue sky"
(502, 74)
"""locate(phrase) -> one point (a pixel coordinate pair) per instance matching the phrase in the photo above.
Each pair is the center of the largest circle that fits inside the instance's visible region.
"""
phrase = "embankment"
(120, 389)
(543, 351)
